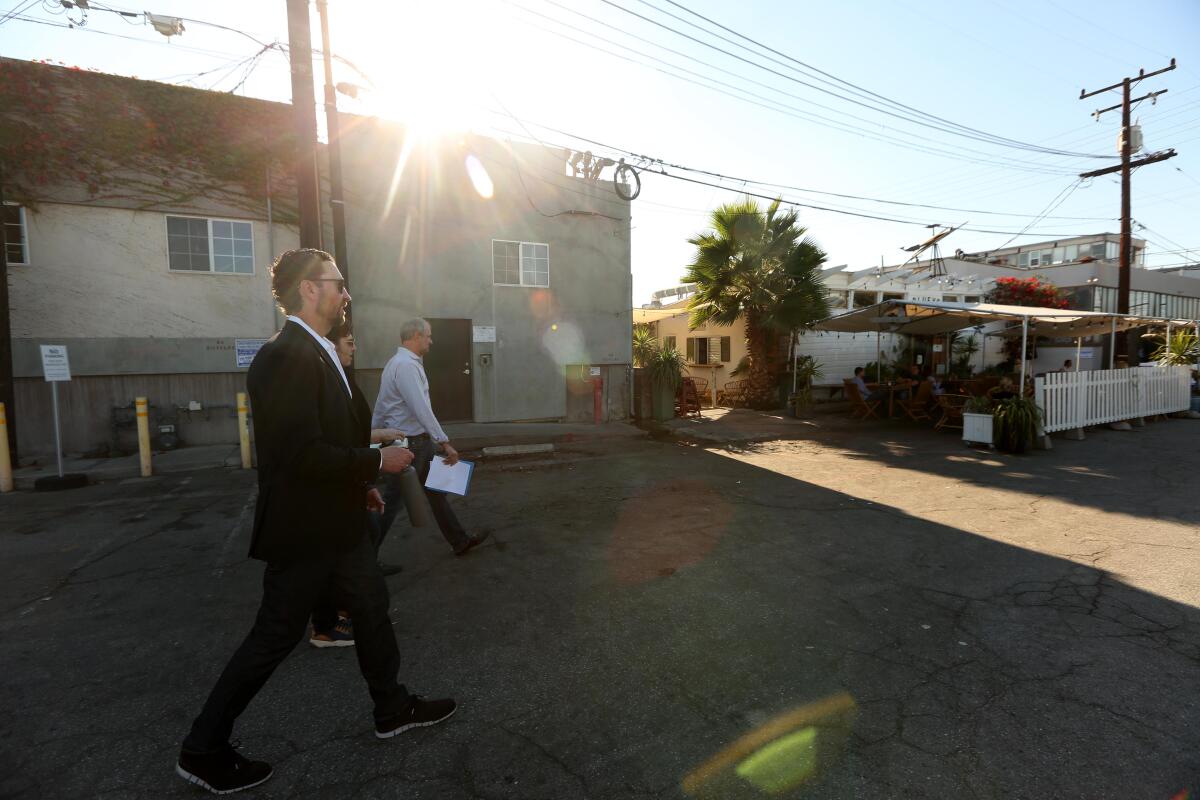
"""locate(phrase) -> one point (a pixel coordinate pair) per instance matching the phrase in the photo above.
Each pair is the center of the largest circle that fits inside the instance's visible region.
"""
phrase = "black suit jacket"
(314, 459)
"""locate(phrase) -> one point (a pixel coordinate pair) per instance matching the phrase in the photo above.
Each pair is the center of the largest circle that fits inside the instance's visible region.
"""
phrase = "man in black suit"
(315, 473)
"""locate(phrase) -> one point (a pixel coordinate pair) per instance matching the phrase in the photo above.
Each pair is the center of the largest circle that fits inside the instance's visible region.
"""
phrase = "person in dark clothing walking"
(315, 470)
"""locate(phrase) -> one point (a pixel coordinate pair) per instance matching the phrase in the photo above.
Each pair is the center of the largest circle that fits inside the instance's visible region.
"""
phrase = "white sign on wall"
(54, 362)
(247, 349)
(483, 333)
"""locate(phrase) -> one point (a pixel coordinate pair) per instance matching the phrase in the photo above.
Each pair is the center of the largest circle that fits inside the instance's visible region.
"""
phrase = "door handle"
(466, 372)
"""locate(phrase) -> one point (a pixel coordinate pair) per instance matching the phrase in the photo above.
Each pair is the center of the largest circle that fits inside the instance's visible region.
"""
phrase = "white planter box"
(977, 428)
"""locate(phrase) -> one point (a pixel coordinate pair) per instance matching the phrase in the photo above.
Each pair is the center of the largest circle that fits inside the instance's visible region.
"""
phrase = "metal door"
(448, 367)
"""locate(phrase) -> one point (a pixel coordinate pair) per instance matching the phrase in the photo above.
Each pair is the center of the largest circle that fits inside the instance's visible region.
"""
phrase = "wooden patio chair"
(733, 394)
(859, 405)
(952, 407)
(701, 388)
(687, 402)
(917, 404)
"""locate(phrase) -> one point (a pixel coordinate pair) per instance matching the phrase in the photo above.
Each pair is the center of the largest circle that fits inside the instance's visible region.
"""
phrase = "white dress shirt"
(332, 350)
(403, 401)
(329, 348)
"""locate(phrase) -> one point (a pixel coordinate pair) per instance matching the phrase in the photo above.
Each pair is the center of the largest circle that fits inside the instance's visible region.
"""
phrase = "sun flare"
(431, 64)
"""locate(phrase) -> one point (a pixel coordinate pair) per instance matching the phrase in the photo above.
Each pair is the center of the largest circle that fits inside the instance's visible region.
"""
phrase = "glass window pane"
(223, 247)
(241, 230)
(177, 225)
(198, 227)
(223, 263)
(16, 253)
(1072, 252)
(243, 247)
(221, 228)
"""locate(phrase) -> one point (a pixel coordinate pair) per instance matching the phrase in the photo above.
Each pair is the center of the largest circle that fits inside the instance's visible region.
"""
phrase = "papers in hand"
(450, 479)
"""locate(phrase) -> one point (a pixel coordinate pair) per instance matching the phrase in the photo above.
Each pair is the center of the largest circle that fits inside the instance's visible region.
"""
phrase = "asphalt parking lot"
(866, 612)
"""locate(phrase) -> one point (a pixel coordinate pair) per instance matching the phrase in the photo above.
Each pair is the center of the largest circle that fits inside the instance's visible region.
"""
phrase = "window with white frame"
(199, 244)
(15, 237)
(520, 263)
(668, 343)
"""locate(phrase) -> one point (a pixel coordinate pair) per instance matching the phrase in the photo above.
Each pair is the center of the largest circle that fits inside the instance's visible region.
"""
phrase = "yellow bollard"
(6, 476)
(243, 429)
(143, 425)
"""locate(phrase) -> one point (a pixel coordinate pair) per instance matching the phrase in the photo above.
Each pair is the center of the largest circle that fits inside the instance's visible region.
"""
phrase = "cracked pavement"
(1003, 626)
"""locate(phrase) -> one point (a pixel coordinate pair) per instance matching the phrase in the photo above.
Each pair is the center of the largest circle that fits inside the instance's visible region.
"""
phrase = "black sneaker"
(472, 541)
(422, 713)
(223, 772)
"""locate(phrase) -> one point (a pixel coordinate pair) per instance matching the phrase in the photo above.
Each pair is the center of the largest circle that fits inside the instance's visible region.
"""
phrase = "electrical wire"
(769, 184)
(1058, 200)
(787, 110)
(770, 103)
(954, 129)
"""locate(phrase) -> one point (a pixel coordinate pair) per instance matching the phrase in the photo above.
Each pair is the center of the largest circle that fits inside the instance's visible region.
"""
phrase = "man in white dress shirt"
(403, 404)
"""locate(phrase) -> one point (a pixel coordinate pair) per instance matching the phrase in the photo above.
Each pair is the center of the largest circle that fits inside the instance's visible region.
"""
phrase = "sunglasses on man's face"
(341, 282)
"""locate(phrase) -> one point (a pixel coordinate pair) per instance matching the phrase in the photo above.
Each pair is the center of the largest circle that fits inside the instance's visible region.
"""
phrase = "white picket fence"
(1094, 397)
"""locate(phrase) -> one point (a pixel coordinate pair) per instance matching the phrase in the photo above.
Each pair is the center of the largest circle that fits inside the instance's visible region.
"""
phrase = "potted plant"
(978, 421)
(1017, 421)
(666, 367)
(807, 371)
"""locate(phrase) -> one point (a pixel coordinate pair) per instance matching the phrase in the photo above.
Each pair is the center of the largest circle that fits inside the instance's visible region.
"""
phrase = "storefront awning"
(929, 317)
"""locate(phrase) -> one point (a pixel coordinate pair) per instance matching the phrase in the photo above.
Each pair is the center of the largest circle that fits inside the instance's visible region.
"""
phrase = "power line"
(775, 105)
(772, 103)
(769, 184)
(955, 129)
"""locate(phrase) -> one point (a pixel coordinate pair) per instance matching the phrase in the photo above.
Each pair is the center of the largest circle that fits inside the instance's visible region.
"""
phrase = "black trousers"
(447, 520)
(290, 592)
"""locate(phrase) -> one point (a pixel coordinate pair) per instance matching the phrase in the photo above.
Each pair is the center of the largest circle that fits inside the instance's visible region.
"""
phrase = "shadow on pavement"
(676, 615)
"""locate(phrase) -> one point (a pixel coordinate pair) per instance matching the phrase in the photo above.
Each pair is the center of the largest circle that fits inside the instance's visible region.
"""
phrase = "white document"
(450, 479)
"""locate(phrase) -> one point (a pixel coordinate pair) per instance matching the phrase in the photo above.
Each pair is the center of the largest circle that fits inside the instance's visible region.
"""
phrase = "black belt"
(416, 436)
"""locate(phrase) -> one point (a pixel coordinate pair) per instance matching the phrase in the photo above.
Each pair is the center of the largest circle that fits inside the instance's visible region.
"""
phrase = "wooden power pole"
(1125, 168)
(334, 149)
(304, 106)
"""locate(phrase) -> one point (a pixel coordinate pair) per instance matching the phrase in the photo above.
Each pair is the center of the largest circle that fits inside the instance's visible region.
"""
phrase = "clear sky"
(599, 69)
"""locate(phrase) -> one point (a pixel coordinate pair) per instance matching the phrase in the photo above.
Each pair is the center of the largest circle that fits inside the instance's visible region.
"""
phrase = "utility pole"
(1125, 168)
(7, 391)
(334, 149)
(303, 104)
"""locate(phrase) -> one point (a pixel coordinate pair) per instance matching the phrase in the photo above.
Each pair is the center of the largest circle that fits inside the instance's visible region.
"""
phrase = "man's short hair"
(859, 370)
(289, 269)
(414, 327)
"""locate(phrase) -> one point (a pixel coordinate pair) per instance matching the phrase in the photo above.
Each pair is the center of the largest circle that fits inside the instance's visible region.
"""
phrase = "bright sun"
(431, 62)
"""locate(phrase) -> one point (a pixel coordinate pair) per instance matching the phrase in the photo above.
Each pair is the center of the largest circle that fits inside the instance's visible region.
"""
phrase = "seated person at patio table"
(1007, 390)
(1066, 367)
(907, 384)
(936, 384)
(863, 389)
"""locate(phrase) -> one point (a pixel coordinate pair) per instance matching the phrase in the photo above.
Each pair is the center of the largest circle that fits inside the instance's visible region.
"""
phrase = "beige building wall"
(716, 374)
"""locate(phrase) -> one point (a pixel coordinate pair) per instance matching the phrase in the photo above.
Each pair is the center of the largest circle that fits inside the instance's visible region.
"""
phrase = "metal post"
(1078, 351)
(6, 466)
(57, 429)
(243, 430)
(1024, 350)
(878, 358)
(7, 384)
(1112, 345)
(142, 411)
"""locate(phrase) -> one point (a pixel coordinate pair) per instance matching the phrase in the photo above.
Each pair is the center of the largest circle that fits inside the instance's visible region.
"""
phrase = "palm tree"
(759, 266)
